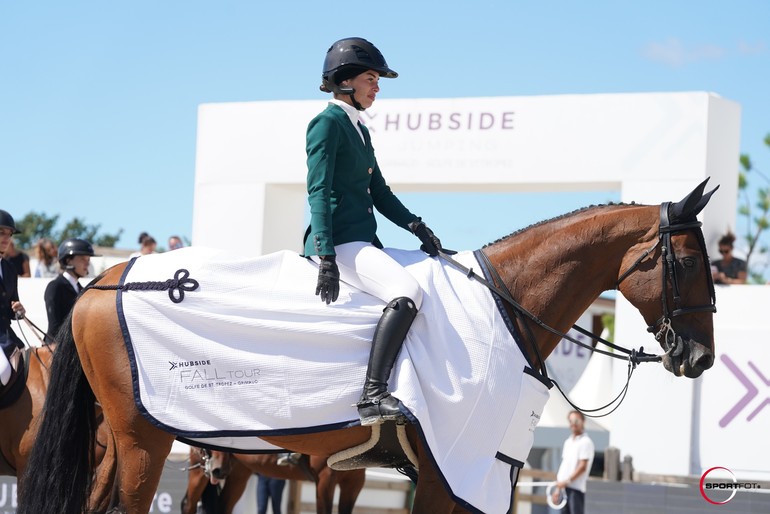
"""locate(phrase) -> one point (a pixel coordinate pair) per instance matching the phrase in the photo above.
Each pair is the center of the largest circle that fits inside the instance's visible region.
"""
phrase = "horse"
(19, 428)
(655, 255)
(235, 469)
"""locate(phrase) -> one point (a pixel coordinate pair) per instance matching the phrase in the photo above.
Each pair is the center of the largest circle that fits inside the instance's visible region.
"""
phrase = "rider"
(61, 292)
(10, 307)
(344, 184)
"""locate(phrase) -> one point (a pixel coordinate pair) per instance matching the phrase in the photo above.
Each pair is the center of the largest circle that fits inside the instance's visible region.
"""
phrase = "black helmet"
(74, 246)
(351, 54)
(6, 220)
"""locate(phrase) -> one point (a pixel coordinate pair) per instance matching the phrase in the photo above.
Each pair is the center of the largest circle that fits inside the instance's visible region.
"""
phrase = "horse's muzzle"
(693, 360)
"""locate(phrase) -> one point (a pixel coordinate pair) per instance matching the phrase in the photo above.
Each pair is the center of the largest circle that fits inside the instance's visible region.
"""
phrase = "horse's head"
(671, 286)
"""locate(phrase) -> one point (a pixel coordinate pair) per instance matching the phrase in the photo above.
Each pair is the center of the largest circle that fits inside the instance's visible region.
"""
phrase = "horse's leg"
(196, 483)
(104, 479)
(235, 485)
(351, 483)
(324, 490)
(141, 448)
(430, 496)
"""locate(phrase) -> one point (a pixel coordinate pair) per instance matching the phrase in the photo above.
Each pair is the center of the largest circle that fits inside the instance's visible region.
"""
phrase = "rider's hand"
(328, 286)
(18, 309)
(430, 243)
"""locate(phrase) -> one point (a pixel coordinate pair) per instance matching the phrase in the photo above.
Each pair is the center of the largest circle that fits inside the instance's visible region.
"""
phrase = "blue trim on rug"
(199, 444)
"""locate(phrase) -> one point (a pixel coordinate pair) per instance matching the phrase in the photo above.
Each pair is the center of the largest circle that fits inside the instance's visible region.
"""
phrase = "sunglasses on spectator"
(724, 250)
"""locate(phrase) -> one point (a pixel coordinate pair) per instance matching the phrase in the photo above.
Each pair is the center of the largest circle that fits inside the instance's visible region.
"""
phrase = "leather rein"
(671, 342)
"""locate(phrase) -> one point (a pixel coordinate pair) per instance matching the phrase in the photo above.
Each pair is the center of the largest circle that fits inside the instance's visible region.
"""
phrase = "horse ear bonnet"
(691, 205)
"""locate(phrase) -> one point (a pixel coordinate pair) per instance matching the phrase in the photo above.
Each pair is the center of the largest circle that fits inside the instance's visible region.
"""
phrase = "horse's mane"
(560, 217)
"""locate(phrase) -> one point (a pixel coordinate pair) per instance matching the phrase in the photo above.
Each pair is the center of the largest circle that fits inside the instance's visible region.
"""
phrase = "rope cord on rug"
(176, 286)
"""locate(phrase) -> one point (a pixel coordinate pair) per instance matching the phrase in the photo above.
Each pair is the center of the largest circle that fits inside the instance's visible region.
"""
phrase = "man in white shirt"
(577, 457)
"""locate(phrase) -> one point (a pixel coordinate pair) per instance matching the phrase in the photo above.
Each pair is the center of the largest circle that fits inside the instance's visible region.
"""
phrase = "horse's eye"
(689, 262)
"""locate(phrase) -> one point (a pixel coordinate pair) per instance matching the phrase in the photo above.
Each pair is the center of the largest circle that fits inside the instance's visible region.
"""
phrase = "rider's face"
(5, 239)
(366, 85)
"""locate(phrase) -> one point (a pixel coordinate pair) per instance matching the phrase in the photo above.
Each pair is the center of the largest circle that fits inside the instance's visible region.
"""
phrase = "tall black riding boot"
(376, 404)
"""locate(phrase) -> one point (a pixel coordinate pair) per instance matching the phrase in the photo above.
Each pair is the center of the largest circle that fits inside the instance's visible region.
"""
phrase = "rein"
(673, 343)
(634, 357)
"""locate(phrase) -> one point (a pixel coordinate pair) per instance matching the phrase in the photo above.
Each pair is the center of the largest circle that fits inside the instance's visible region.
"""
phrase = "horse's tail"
(58, 475)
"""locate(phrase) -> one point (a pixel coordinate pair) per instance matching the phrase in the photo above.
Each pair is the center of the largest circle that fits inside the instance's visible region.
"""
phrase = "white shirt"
(576, 448)
(72, 280)
(353, 114)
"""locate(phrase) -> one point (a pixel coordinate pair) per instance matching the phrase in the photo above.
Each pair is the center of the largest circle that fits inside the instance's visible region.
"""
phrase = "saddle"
(388, 447)
(10, 392)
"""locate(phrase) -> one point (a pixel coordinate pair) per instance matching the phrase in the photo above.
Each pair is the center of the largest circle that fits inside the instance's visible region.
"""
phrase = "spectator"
(269, 489)
(74, 257)
(175, 243)
(728, 269)
(147, 245)
(10, 307)
(46, 253)
(577, 457)
(18, 259)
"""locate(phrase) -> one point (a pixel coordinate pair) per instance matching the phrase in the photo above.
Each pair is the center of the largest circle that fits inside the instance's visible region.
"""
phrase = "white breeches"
(368, 268)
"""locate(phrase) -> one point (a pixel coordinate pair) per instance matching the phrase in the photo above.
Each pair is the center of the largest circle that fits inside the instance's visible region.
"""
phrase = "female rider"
(10, 307)
(344, 184)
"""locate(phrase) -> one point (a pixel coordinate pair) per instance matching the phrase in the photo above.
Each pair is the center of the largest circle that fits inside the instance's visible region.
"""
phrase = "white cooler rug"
(252, 351)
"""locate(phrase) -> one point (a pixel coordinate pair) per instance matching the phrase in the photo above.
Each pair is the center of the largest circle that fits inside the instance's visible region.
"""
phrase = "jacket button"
(370, 210)
(370, 171)
(368, 191)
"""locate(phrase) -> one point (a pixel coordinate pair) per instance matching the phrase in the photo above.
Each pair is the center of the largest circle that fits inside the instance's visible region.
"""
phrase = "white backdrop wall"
(653, 147)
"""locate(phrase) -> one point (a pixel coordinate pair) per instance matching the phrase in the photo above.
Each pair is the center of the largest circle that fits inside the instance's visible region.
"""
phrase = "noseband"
(666, 333)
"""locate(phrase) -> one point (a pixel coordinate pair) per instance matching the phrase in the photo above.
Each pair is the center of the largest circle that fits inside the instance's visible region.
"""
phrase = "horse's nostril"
(217, 473)
(703, 361)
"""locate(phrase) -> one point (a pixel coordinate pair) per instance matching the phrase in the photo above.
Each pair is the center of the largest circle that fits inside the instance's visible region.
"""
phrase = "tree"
(36, 225)
(756, 214)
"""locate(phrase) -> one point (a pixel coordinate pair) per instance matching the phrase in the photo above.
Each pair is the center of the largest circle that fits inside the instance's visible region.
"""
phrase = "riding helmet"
(75, 246)
(6, 220)
(349, 57)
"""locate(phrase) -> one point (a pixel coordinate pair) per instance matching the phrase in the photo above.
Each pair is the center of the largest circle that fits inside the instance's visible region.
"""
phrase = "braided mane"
(557, 218)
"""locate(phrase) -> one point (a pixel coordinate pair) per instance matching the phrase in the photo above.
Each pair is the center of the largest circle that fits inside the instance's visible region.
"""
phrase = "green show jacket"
(344, 185)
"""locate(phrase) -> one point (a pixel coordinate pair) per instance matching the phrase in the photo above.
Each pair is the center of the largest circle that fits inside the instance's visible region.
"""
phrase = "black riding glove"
(430, 243)
(328, 280)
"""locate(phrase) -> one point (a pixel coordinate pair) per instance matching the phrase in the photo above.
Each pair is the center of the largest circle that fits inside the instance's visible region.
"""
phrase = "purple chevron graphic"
(751, 392)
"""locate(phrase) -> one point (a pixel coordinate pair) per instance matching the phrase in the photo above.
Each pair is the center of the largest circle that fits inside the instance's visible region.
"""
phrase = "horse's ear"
(692, 204)
(703, 201)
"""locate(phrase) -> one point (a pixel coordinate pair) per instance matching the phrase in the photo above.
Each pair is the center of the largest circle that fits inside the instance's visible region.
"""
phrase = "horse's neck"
(557, 269)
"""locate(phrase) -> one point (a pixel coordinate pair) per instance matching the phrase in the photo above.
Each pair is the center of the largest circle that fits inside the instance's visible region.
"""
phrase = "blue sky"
(98, 100)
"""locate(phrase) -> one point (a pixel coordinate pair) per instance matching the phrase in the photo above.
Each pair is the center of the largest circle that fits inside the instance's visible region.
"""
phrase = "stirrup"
(370, 412)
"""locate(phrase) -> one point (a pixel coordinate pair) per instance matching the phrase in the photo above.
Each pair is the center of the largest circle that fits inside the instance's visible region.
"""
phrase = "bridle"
(666, 334)
(672, 343)
(204, 454)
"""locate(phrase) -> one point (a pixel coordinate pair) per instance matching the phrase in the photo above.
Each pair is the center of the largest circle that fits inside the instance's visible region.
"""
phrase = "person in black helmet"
(10, 307)
(61, 293)
(344, 185)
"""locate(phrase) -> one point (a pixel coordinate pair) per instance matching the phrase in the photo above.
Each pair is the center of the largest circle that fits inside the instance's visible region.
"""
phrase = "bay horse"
(18, 428)
(20, 420)
(655, 255)
(235, 469)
